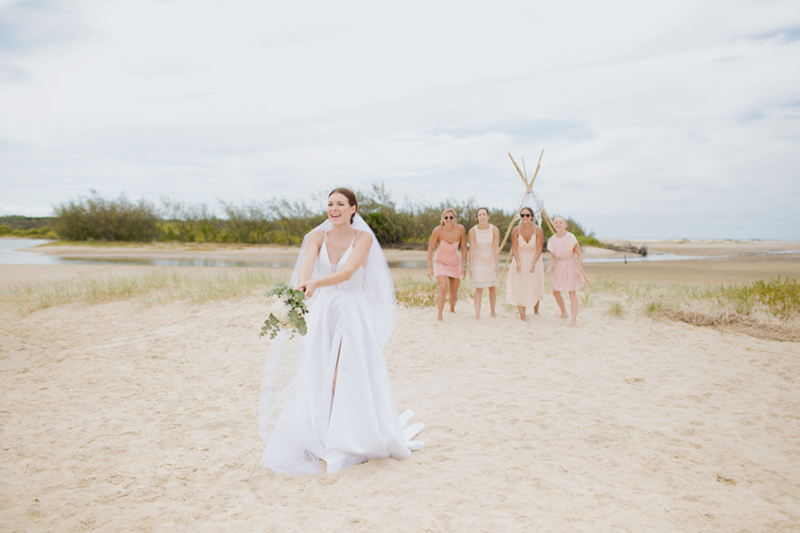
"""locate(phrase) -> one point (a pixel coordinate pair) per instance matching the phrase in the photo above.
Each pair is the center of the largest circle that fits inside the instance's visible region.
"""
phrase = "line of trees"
(275, 220)
(31, 227)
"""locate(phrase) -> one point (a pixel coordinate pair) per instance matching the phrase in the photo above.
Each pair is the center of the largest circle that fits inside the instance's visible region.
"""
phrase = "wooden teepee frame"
(545, 216)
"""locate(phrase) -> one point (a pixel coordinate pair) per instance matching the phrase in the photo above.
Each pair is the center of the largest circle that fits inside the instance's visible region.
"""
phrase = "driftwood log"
(628, 247)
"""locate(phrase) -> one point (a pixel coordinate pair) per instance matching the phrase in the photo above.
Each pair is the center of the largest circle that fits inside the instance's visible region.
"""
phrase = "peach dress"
(483, 271)
(564, 278)
(447, 261)
(526, 289)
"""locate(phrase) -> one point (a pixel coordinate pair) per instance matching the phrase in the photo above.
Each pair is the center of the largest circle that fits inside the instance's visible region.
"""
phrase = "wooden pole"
(546, 217)
(511, 253)
(538, 166)
(514, 219)
(524, 170)
(508, 232)
(521, 175)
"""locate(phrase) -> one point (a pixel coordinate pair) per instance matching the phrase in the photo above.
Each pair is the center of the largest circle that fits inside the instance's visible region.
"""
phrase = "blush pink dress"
(564, 278)
(525, 289)
(447, 261)
(483, 270)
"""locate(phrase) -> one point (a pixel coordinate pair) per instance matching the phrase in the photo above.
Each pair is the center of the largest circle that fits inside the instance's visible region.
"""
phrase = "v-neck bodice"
(527, 246)
(326, 267)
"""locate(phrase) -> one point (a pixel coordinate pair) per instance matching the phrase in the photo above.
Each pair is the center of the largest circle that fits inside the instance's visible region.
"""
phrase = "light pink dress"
(564, 278)
(447, 261)
(525, 289)
(483, 270)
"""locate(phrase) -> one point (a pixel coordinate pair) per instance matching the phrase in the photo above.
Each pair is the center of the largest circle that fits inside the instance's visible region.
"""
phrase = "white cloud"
(676, 119)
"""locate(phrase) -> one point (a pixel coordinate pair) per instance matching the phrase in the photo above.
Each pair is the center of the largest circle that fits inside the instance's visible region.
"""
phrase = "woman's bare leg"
(478, 298)
(560, 302)
(573, 300)
(492, 299)
(536, 308)
(440, 298)
(521, 312)
(454, 283)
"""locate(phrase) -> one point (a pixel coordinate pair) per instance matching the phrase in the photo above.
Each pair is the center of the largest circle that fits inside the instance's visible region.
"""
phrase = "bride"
(328, 395)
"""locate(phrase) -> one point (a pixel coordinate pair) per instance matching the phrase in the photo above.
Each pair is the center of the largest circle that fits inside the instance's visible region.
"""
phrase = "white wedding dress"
(359, 421)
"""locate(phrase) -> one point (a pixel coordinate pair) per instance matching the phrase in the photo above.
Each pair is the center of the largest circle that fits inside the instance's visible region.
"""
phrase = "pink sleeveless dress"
(483, 270)
(564, 278)
(525, 289)
(447, 261)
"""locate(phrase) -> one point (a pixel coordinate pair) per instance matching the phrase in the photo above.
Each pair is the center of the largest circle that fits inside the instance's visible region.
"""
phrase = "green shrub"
(96, 218)
(276, 220)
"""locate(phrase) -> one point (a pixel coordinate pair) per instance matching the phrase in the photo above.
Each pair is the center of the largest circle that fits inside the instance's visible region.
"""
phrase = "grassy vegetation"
(779, 297)
(747, 307)
(29, 227)
(414, 291)
(159, 286)
(33, 233)
(750, 307)
(274, 220)
(100, 219)
(615, 308)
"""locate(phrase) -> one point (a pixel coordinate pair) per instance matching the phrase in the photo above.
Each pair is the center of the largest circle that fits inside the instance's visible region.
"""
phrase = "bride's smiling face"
(339, 209)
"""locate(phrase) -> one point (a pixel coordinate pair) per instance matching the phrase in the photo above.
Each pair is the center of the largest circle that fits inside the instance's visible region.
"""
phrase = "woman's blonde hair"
(448, 210)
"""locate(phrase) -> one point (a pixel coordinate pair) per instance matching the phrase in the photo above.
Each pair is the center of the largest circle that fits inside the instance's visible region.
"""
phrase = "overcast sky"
(664, 120)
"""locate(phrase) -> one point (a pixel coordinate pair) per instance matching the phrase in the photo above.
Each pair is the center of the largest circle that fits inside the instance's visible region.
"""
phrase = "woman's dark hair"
(351, 199)
(533, 217)
(479, 210)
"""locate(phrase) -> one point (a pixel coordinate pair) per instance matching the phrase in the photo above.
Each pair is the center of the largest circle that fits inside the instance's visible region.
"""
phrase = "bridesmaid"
(563, 247)
(526, 280)
(484, 256)
(448, 267)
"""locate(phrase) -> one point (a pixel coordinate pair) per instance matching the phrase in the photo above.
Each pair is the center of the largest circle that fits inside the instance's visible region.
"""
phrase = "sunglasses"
(449, 217)
(526, 215)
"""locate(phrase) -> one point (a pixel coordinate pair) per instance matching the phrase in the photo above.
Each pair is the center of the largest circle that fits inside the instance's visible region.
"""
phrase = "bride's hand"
(307, 287)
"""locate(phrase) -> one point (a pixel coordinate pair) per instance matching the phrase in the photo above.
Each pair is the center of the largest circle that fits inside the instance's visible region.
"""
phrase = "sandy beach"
(126, 416)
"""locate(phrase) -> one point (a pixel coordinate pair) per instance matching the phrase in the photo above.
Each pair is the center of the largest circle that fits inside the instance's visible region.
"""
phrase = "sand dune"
(119, 417)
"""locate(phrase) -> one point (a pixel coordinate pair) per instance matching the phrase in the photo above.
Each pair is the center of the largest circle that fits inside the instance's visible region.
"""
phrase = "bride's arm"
(360, 251)
(312, 252)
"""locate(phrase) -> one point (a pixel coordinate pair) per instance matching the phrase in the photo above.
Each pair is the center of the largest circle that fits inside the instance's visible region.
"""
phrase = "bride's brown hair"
(351, 199)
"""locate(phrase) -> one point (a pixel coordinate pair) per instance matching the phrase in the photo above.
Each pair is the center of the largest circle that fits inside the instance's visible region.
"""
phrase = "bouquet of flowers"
(287, 311)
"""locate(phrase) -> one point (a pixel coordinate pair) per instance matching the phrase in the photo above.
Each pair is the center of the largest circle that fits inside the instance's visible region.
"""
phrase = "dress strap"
(354, 238)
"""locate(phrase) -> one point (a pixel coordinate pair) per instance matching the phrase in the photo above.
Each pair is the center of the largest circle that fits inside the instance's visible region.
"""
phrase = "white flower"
(279, 311)
(298, 310)
(274, 297)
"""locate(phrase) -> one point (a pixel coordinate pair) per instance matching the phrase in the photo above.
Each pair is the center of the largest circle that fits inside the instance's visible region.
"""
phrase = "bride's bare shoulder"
(364, 237)
(315, 238)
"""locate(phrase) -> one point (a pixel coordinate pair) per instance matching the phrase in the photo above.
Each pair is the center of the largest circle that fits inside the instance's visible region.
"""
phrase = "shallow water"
(9, 255)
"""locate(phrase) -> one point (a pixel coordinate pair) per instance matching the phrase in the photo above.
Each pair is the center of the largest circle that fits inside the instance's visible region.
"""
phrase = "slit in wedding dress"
(336, 372)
